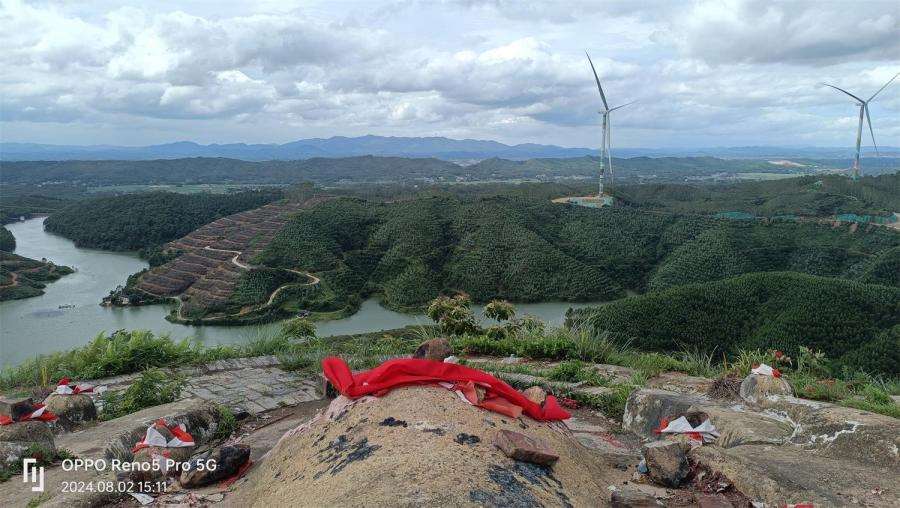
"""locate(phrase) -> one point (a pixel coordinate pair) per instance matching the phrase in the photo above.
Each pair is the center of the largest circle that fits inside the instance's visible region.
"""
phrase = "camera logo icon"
(32, 473)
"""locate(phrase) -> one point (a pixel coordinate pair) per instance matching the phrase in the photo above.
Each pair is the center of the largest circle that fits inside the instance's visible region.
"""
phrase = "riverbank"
(67, 315)
(22, 277)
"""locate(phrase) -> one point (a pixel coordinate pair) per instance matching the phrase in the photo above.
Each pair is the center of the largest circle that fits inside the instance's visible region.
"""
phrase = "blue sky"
(704, 73)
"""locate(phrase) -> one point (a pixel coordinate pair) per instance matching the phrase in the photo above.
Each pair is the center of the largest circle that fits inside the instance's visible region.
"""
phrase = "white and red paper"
(765, 370)
(39, 413)
(66, 387)
(153, 437)
(704, 433)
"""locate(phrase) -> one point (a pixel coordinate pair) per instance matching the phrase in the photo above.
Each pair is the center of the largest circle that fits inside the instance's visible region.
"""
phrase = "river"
(38, 325)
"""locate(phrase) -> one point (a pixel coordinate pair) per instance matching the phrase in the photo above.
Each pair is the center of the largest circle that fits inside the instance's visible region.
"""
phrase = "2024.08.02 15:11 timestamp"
(121, 486)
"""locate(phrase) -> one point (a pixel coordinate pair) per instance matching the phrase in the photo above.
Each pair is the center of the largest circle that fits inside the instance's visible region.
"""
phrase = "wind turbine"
(605, 156)
(863, 111)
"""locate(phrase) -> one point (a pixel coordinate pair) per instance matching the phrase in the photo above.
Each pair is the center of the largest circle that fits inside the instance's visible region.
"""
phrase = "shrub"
(297, 328)
(499, 310)
(152, 388)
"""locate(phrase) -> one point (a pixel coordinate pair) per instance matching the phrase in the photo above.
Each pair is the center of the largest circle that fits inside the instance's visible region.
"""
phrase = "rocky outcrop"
(840, 432)
(780, 475)
(737, 424)
(226, 459)
(666, 462)
(442, 456)
(19, 437)
(72, 409)
(434, 349)
(781, 449)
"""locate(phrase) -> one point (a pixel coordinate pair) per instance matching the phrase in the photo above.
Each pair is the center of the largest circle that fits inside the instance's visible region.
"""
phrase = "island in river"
(22, 277)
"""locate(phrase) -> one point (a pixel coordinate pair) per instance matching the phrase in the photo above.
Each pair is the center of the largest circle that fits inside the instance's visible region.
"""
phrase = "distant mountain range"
(436, 147)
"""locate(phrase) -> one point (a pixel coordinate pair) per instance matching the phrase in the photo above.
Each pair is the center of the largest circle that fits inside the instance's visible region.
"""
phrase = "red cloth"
(499, 396)
(39, 413)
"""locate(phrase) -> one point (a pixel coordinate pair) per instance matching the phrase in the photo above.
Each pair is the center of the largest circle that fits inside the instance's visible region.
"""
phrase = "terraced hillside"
(211, 260)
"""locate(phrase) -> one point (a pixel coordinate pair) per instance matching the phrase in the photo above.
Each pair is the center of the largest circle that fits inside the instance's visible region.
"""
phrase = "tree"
(499, 310)
(453, 314)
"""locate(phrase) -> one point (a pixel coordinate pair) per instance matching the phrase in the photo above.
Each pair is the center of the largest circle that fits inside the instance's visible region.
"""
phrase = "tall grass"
(126, 352)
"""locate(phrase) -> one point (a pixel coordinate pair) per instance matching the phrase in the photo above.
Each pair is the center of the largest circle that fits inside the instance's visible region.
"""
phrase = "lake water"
(38, 325)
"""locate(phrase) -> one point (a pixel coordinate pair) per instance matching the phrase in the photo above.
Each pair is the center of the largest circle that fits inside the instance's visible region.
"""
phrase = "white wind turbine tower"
(605, 156)
(863, 111)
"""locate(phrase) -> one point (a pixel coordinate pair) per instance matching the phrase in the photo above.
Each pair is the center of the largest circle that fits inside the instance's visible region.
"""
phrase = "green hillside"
(7, 240)
(526, 250)
(806, 196)
(857, 324)
(137, 221)
(734, 247)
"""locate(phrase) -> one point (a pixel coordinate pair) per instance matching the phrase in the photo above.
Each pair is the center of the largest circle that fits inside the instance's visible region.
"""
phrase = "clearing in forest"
(212, 258)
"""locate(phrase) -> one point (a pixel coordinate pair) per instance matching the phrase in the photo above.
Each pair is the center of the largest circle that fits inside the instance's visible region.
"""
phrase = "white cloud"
(705, 72)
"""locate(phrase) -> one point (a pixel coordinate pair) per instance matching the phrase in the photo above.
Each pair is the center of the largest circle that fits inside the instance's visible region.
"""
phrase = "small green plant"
(611, 403)
(747, 359)
(812, 363)
(152, 388)
(227, 423)
(298, 328)
(38, 500)
(566, 371)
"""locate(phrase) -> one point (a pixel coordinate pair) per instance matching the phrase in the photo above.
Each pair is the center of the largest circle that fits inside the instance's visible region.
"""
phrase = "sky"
(703, 73)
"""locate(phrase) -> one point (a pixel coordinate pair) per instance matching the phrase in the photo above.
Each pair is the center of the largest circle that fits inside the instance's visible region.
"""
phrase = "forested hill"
(389, 169)
(857, 324)
(137, 221)
(7, 240)
(806, 196)
(527, 249)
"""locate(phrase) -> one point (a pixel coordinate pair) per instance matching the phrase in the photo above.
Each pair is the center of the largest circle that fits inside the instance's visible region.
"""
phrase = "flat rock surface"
(837, 431)
(680, 382)
(255, 384)
(419, 446)
(786, 474)
(93, 442)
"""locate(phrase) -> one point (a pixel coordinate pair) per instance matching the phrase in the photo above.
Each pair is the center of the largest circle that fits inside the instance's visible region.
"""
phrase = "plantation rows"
(527, 249)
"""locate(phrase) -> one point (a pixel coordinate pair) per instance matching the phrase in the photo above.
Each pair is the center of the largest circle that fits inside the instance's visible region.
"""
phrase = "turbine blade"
(845, 91)
(872, 132)
(622, 106)
(885, 86)
(597, 79)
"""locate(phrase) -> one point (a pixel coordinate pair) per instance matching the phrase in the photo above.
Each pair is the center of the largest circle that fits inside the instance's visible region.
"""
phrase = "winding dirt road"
(313, 280)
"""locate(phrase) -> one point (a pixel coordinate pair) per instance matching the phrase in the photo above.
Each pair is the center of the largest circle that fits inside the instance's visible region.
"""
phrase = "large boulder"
(214, 465)
(419, 446)
(17, 438)
(646, 408)
(16, 407)
(838, 431)
(666, 462)
(756, 387)
(784, 475)
(201, 419)
(434, 349)
(737, 425)
(72, 409)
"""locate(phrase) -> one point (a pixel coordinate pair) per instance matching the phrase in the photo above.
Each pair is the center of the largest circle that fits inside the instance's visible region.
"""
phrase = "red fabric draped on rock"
(412, 371)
